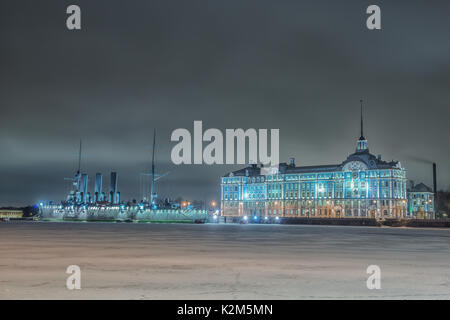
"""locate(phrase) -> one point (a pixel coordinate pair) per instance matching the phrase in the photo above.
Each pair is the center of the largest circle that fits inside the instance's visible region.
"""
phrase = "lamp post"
(213, 205)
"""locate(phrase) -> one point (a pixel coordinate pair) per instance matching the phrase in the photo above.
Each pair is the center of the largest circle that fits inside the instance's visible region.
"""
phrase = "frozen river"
(175, 261)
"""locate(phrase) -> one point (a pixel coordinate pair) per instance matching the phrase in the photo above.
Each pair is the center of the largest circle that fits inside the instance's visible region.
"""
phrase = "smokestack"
(84, 187)
(435, 190)
(98, 187)
(434, 179)
(113, 187)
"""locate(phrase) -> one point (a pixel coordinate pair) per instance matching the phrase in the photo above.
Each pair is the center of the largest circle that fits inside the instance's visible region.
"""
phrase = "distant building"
(361, 186)
(421, 202)
(10, 214)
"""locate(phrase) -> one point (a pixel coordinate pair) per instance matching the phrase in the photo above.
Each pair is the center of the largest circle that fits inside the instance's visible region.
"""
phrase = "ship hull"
(117, 214)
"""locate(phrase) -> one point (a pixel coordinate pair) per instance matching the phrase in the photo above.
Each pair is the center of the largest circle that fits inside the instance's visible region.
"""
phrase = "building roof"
(421, 187)
(370, 160)
(252, 170)
(285, 168)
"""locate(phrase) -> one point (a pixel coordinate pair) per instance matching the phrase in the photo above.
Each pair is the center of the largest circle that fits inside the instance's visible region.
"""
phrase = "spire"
(362, 132)
(362, 142)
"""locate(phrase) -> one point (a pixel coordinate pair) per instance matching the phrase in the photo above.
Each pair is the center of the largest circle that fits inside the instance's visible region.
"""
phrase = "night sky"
(300, 66)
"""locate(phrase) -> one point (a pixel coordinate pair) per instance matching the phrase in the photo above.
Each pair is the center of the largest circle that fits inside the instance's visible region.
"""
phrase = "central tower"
(361, 145)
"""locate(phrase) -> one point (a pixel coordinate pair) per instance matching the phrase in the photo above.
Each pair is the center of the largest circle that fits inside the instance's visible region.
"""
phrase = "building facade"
(11, 214)
(362, 186)
(421, 202)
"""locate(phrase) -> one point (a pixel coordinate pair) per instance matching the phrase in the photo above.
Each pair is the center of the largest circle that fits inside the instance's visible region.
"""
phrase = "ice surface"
(176, 261)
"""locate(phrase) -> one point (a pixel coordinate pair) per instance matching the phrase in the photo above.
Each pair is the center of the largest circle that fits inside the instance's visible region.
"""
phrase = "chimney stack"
(435, 189)
(84, 187)
(98, 187)
(434, 179)
(113, 187)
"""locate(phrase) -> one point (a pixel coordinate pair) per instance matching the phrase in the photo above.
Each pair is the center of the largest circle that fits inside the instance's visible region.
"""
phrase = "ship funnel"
(98, 187)
(113, 188)
(84, 187)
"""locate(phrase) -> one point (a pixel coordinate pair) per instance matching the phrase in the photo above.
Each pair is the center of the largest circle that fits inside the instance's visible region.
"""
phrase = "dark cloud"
(300, 66)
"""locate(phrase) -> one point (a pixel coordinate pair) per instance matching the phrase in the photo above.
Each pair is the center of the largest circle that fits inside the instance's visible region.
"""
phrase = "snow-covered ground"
(175, 261)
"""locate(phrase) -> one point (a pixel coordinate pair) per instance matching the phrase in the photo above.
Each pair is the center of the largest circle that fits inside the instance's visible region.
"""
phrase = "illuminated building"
(10, 214)
(421, 202)
(362, 186)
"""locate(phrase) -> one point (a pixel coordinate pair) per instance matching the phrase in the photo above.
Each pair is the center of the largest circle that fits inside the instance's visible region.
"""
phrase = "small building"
(10, 214)
(420, 202)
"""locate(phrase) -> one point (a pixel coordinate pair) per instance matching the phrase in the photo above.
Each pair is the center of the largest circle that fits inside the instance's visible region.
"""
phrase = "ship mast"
(153, 195)
(155, 176)
(79, 158)
(78, 176)
(76, 181)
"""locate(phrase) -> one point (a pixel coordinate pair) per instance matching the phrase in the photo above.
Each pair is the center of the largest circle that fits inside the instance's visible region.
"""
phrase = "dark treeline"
(443, 204)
